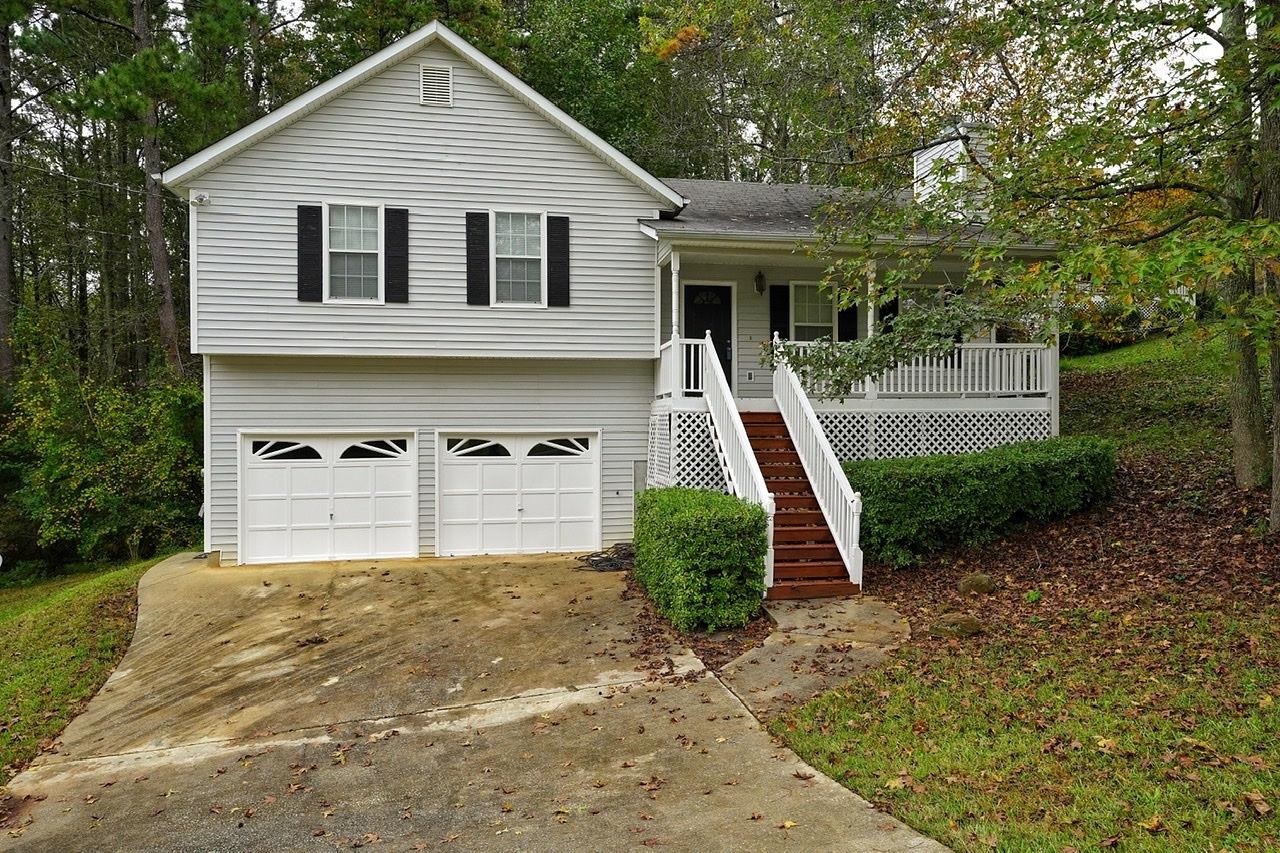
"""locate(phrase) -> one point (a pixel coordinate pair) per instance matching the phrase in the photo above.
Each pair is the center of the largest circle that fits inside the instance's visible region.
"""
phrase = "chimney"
(948, 161)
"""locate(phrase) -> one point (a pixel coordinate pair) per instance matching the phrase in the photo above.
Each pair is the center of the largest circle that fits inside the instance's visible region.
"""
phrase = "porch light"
(759, 282)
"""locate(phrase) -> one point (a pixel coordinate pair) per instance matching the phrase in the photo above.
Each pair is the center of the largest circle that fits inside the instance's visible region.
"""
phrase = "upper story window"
(518, 258)
(812, 313)
(355, 251)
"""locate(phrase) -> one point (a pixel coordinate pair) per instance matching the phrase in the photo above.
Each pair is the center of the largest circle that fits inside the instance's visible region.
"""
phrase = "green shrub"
(918, 505)
(108, 471)
(700, 556)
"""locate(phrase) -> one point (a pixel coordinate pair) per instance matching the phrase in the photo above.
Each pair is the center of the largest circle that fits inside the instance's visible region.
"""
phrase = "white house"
(439, 316)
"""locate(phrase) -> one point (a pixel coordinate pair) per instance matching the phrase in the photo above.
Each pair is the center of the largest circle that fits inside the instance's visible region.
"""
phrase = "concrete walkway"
(482, 704)
(817, 644)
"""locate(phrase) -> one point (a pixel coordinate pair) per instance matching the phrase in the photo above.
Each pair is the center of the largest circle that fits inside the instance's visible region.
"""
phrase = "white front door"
(317, 497)
(509, 494)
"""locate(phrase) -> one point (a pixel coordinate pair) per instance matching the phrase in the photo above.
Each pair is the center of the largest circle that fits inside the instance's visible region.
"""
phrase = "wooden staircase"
(806, 561)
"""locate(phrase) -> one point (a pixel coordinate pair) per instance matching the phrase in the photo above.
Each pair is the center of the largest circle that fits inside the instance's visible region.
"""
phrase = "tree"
(1125, 135)
(788, 89)
(347, 31)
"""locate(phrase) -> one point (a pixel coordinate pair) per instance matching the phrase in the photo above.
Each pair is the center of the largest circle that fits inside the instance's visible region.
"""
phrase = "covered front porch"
(731, 278)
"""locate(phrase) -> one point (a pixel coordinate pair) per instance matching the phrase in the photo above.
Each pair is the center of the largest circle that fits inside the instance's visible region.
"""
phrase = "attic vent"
(437, 85)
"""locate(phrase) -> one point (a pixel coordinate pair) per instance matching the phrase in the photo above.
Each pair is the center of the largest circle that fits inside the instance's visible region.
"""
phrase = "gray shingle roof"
(743, 209)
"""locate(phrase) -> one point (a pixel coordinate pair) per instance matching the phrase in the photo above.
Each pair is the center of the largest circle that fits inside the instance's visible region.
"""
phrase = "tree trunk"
(161, 275)
(8, 303)
(1250, 454)
(1269, 186)
(1273, 521)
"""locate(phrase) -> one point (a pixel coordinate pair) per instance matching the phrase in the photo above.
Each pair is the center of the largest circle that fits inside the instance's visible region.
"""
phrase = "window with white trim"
(517, 258)
(812, 313)
(354, 243)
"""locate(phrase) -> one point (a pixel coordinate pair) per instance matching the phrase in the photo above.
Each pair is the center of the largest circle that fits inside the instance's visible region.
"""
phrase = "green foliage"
(588, 57)
(700, 556)
(915, 506)
(348, 31)
(105, 471)
(786, 91)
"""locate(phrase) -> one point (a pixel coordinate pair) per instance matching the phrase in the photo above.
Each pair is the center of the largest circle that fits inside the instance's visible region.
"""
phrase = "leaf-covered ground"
(59, 640)
(1125, 691)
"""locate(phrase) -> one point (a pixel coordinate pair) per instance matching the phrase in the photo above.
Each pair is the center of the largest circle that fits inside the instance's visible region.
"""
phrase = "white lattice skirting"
(682, 452)
(659, 459)
(880, 435)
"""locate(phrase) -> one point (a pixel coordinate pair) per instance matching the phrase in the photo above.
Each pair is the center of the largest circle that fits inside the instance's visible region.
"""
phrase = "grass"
(1015, 748)
(1166, 395)
(1126, 690)
(59, 639)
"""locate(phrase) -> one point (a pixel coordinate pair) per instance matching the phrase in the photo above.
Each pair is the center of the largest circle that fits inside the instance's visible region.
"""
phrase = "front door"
(709, 307)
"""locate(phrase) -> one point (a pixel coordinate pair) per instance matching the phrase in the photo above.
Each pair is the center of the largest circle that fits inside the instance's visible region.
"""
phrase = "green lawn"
(59, 639)
(1167, 395)
(1125, 691)
(1159, 744)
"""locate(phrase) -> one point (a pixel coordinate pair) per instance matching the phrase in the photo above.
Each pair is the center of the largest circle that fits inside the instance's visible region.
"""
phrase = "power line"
(65, 176)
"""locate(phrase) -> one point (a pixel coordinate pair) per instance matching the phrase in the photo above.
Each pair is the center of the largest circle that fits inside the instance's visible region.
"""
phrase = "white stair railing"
(741, 469)
(841, 506)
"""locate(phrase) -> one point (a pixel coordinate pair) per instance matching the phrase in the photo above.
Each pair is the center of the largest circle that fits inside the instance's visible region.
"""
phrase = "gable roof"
(197, 164)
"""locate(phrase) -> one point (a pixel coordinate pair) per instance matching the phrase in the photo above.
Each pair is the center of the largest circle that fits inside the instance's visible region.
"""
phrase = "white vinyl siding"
(419, 396)
(518, 258)
(377, 144)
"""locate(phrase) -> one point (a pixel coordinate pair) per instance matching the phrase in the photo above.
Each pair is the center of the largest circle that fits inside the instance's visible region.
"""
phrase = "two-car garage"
(340, 496)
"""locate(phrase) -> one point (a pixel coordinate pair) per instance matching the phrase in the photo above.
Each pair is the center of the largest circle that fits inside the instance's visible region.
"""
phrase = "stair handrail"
(741, 468)
(841, 506)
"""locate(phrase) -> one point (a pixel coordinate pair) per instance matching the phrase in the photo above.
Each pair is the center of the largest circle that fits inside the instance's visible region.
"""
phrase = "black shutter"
(780, 310)
(310, 254)
(888, 313)
(847, 324)
(395, 254)
(558, 260)
(477, 259)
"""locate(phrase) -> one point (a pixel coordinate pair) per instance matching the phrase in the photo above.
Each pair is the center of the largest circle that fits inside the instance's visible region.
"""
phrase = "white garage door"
(312, 497)
(508, 494)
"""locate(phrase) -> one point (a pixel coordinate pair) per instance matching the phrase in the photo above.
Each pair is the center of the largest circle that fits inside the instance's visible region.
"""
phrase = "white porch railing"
(970, 370)
(741, 470)
(680, 368)
(841, 506)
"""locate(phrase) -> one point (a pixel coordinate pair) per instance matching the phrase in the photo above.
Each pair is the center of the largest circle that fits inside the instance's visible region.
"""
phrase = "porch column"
(677, 348)
(675, 295)
(1051, 381)
(872, 311)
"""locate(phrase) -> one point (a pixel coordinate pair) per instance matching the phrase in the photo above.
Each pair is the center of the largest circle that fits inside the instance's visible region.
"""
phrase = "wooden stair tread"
(808, 533)
(787, 516)
(812, 589)
(784, 551)
(810, 571)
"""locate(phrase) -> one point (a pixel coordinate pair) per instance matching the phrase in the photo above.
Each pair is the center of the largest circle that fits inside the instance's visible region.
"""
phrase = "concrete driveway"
(478, 704)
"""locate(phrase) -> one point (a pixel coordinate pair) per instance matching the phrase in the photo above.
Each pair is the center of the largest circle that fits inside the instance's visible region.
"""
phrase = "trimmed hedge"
(917, 505)
(700, 556)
